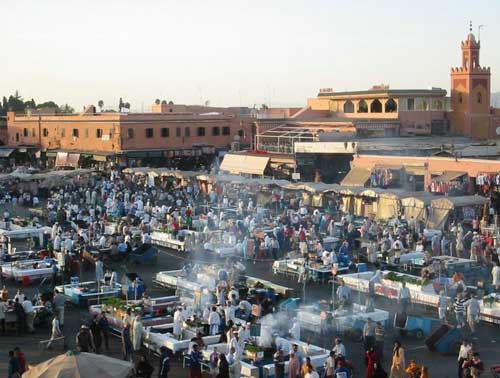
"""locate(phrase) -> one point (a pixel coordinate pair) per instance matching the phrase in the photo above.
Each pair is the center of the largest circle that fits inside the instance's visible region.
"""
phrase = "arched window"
(391, 106)
(479, 98)
(348, 107)
(362, 107)
(376, 106)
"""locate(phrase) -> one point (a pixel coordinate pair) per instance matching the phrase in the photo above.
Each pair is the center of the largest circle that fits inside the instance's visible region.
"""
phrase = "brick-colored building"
(134, 135)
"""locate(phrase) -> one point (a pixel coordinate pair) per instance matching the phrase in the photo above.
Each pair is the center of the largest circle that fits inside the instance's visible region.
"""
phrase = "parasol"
(81, 365)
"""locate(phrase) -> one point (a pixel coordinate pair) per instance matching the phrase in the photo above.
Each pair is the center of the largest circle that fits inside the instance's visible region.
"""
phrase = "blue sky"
(234, 52)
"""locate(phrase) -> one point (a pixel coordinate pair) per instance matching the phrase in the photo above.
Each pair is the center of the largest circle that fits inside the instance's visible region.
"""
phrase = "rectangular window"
(25, 132)
(149, 133)
(165, 132)
(225, 130)
(33, 133)
(240, 133)
(130, 133)
(187, 132)
(45, 132)
(63, 132)
(98, 133)
(411, 104)
(76, 133)
(216, 131)
(201, 131)
(178, 132)
(110, 133)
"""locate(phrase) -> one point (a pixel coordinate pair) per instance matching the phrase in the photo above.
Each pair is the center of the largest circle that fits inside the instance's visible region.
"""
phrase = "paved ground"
(488, 341)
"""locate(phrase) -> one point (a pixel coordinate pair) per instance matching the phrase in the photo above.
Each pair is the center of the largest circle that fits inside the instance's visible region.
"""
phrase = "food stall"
(319, 317)
(116, 308)
(388, 284)
(167, 240)
(257, 360)
(40, 235)
(28, 270)
(83, 293)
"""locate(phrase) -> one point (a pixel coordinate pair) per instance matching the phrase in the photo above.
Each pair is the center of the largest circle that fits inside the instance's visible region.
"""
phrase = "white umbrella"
(81, 365)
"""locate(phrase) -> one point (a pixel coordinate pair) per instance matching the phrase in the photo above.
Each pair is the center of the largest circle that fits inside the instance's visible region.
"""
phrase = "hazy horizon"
(234, 53)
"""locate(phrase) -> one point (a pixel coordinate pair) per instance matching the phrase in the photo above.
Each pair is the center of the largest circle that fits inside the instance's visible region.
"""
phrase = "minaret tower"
(470, 93)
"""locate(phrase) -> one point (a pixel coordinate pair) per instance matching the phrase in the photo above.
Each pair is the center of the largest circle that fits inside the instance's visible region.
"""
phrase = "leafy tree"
(127, 105)
(66, 109)
(48, 104)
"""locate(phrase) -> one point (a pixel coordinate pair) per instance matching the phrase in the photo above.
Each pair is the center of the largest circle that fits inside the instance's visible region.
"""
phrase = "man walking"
(59, 302)
(56, 331)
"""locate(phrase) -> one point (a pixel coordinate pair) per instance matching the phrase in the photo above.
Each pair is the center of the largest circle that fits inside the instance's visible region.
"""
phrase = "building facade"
(131, 134)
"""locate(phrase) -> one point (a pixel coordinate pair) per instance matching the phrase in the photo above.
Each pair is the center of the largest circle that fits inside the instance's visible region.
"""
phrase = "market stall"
(28, 270)
(445, 209)
(317, 318)
(415, 205)
(257, 361)
(84, 293)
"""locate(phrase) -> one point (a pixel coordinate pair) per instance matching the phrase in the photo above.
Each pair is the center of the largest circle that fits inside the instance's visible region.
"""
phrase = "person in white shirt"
(102, 241)
(295, 330)
(214, 321)
(339, 348)
(57, 242)
(99, 271)
(56, 331)
(146, 238)
(68, 244)
(244, 332)
(178, 319)
(463, 354)
(404, 297)
(327, 258)
(30, 314)
(113, 279)
(495, 275)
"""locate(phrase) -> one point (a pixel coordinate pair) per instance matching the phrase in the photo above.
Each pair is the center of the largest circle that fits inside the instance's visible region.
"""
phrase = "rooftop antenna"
(479, 32)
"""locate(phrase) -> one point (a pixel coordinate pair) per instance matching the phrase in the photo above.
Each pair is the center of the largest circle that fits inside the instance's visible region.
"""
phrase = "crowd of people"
(80, 211)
